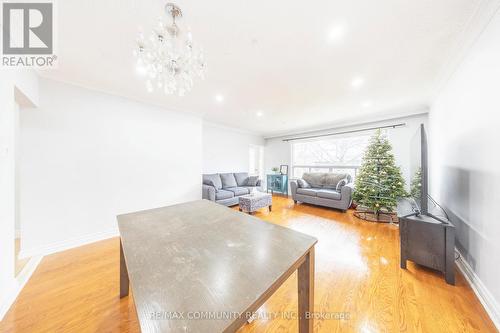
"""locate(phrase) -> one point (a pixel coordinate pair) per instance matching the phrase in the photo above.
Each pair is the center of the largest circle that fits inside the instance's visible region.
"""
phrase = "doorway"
(19, 263)
(256, 161)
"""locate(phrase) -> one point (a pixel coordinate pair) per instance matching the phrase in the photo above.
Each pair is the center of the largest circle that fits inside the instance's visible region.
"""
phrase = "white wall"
(88, 156)
(279, 152)
(465, 173)
(16, 87)
(226, 149)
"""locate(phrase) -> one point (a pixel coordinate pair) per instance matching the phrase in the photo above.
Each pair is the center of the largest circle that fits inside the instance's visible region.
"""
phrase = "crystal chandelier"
(169, 59)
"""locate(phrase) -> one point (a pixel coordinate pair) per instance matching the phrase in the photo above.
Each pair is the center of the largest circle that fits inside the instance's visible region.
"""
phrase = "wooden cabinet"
(277, 183)
(428, 242)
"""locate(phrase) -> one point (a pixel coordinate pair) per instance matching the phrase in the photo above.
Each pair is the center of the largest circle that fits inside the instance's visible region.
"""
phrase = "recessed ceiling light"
(336, 33)
(259, 113)
(357, 82)
(366, 104)
(219, 98)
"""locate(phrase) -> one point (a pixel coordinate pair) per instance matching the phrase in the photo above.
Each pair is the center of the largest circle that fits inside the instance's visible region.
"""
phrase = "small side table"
(277, 183)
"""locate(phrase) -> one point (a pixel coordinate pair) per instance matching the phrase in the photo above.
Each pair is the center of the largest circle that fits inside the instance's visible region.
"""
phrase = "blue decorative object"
(277, 183)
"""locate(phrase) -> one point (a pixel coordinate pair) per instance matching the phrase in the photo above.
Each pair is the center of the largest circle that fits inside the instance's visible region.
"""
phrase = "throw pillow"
(228, 180)
(303, 184)
(341, 184)
(252, 181)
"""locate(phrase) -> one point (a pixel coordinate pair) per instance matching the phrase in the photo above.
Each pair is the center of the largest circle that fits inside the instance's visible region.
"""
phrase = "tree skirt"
(383, 217)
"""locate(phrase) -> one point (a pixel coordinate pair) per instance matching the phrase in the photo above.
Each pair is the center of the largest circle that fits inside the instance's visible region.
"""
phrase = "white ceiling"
(294, 61)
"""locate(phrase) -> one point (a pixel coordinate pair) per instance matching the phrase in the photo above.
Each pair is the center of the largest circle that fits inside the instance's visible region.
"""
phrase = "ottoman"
(251, 202)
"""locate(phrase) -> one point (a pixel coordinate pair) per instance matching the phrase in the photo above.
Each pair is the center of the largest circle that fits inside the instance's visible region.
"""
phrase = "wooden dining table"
(202, 267)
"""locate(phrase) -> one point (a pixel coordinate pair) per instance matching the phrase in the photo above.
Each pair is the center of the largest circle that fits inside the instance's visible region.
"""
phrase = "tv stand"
(429, 242)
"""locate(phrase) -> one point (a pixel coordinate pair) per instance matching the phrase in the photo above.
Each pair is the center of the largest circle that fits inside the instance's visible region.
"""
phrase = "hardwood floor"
(19, 263)
(357, 276)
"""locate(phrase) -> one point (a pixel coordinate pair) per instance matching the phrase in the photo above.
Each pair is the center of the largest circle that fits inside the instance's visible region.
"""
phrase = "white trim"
(353, 123)
(472, 31)
(68, 244)
(44, 75)
(238, 130)
(483, 294)
(37, 254)
(18, 285)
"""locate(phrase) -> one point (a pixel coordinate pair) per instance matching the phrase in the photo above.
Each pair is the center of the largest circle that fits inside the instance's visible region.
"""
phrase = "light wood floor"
(19, 263)
(357, 272)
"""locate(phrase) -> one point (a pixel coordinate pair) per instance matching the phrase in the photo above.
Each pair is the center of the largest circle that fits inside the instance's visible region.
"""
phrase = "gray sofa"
(323, 189)
(225, 188)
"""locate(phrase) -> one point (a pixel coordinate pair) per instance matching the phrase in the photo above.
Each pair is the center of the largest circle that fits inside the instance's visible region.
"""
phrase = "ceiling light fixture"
(357, 82)
(259, 113)
(169, 59)
(366, 104)
(336, 33)
(219, 98)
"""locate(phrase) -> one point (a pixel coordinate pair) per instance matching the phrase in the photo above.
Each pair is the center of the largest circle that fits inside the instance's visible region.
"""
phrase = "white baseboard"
(18, 285)
(482, 293)
(68, 244)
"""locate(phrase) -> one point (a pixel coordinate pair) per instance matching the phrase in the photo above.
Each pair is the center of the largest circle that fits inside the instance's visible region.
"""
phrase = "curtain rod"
(345, 132)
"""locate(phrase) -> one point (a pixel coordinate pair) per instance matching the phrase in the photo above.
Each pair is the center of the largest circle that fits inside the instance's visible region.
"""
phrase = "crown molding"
(473, 29)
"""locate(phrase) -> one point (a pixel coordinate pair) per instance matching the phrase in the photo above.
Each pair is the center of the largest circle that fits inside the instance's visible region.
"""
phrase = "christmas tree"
(416, 185)
(379, 182)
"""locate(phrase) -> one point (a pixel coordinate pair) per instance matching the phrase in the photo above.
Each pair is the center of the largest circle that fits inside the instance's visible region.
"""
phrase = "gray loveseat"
(324, 189)
(225, 188)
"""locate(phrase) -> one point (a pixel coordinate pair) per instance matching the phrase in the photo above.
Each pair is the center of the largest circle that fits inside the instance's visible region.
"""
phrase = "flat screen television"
(420, 202)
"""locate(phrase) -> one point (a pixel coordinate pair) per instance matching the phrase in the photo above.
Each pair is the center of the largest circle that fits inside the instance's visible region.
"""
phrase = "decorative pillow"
(303, 184)
(332, 180)
(252, 181)
(241, 178)
(314, 179)
(341, 184)
(213, 180)
(228, 180)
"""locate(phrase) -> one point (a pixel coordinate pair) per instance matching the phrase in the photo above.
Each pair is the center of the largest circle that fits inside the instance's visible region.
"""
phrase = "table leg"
(124, 283)
(270, 208)
(305, 279)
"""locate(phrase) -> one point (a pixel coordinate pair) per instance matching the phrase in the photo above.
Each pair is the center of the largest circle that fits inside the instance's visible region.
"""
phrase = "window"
(342, 154)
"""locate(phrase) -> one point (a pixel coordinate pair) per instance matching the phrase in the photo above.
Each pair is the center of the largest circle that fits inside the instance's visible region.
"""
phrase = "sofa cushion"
(252, 181)
(303, 184)
(315, 179)
(329, 194)
(307, 191)
(238, 190)
(328, 180)
(241, 178)
(213, 180)
(228, 180)
(223, 194)
(332, 180)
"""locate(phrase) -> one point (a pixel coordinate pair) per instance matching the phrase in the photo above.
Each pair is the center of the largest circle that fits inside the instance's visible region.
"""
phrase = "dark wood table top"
(203, 259)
